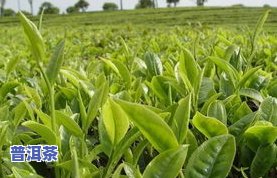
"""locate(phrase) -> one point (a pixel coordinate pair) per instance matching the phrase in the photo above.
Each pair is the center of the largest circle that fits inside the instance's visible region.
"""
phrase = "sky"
(96, 5)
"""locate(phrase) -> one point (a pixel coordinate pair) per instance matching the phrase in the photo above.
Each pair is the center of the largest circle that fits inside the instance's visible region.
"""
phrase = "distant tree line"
(47, 7)
(82, 6)
(110, 6)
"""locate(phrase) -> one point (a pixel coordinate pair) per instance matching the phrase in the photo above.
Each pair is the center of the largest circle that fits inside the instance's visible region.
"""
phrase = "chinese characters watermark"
(38, 153)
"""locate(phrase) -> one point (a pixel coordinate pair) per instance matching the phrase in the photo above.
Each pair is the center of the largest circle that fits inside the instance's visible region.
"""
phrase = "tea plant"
(194, 102)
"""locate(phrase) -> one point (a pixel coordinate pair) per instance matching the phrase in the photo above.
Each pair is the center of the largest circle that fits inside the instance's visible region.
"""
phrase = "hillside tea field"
(134, 101)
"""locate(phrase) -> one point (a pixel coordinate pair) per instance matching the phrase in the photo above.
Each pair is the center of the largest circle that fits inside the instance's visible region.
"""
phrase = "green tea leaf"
(68, 123)
(189, 67)
(118, 170)
(167, 164)
(124, 72)
(212, 159)
(153, 63)
(33, 94)
(55, 63)
(226, 86)
(71, 77)
(46, 119)
(241, 125)
(23, 166)
(7, 87)
(259, 26)
(21, 173)
(242, 111)
(34, 36)
(115, 121)
(4, 125)
(217, 110)
(251, 93)
(191, 140)
(97, 100)
(206, 90)
(29, 109)
(246, 155)
(159, 88)
(209, 126)
(229, 52)
(75, 166)
(268, 110)
(247, 75)
(82, 108)
(151, 125)
(207, 103)
(111, 65)
(47, 134)
(139, 150)
(227, 68)
(261, 133)
(19, 113)
(11, 65)
(131, 136)
(256, 33)
(131, 171)
(272, 88)
(181, 119)
(263, 160)
(104, 138)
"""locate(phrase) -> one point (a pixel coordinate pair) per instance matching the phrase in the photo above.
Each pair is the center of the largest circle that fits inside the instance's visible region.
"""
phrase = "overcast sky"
(130, 4)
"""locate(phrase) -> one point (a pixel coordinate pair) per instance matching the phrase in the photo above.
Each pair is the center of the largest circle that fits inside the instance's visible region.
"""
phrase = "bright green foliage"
(114, 124)
(140, 101)
(263, 160)
(241, 125)
(151, 126)
(35, 38)
(19, 173)
(96, 101)
(167, 164)
(115, 121)
(261, 133)
(153, 64)
(189, 69)
(213, 158)
(218, 111)
(268, 110)
(7, 87)
(181, 119)
(43, 131)
(55, 63)
(209, 126)
(69, 124)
